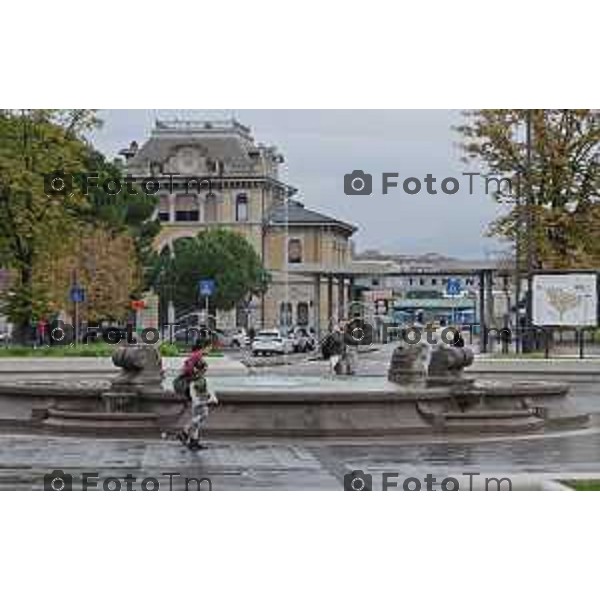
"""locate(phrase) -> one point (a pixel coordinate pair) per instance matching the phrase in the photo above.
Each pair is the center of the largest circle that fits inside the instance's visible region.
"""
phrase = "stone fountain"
(426, 393)
(470, 406)
(134, 403)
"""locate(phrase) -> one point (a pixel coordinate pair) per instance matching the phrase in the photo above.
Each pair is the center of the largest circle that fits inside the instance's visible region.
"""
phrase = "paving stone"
(289, 464)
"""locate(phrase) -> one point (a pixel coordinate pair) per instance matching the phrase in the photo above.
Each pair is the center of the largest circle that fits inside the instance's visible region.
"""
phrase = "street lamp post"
(529, 232)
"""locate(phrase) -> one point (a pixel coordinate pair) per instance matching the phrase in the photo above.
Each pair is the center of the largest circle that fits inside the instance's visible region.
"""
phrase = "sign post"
(206, 289)
(569, 300)
(77, 295)
(566, 300)
(138, 306)
(453, 288)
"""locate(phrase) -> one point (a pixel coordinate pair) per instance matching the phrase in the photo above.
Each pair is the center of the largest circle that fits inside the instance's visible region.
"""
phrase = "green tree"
(219, 254)
(129, 211)
(562, 183)
(33, 144)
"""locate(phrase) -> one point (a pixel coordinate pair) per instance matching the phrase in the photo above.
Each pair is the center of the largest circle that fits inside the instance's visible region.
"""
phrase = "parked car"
(270, 341)
(235, 338)
(5, 337)
(183, 334)
(239, 338)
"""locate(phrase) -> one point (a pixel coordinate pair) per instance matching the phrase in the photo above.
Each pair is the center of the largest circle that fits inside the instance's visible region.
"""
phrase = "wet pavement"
(300, 464)
(290, 464)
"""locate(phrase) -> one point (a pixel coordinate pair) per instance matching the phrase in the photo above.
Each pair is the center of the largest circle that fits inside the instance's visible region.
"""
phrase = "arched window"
(295, 251)
(210, 208)
(302, 317)
(241, 207)
(186, 208)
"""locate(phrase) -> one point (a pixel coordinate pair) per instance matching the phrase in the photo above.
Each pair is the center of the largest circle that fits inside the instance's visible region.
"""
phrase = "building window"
(469, 281)
(295, 251)
(210, 208)
(186, 208)
(241, 207)
(375, 282)
(285, 314)
(434, 281)
(164, 214)
(421, 281)
(302, 314)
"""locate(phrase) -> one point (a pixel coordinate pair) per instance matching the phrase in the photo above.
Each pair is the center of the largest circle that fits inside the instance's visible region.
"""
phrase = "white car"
(270, 341)
(240, 338)
(235, 338)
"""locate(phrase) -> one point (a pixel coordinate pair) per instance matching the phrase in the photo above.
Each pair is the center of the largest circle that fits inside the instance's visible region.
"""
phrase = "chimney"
(131, 151)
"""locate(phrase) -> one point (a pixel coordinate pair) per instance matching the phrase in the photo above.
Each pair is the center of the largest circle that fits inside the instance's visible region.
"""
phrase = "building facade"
(214, 174)
(432, 288)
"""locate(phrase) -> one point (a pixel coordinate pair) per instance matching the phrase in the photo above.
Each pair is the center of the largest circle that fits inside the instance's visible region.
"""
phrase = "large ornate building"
(303, 250)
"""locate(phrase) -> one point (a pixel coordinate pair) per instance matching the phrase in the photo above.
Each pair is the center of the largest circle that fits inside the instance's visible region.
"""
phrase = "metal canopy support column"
(482, 313)
(172, 208)
(329, 301)
(317, 307)
(341, 298)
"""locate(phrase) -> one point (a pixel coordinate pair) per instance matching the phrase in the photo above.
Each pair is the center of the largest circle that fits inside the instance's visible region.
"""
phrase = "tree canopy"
(46, 236)
(562, 179)
(219, 254)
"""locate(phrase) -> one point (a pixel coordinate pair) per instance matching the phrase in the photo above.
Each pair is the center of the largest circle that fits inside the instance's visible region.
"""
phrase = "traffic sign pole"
(453, 289)
(77, 294)
(206, 288)
(76, 323)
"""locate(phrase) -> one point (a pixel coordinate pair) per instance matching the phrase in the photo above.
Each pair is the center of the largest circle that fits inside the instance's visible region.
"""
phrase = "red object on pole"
(138, 304)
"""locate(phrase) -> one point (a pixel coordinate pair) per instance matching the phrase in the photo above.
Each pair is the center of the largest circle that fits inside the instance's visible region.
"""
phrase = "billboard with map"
(569, 300)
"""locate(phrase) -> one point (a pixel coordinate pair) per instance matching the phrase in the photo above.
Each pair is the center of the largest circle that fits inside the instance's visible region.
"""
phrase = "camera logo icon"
(358, 183)
(58, 183)
(358, 481)
(58, 481)
(61, 334)
(358, 332)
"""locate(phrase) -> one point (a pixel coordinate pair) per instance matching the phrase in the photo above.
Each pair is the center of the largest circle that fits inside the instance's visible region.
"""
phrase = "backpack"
(181, 385)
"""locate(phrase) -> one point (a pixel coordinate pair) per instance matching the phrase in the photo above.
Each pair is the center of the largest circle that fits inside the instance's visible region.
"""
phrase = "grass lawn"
(584, 485)
(96, 349)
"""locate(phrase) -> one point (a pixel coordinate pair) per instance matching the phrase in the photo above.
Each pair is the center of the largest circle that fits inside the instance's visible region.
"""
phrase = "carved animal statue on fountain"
(447, 364)
(408, 365)
(141, 369)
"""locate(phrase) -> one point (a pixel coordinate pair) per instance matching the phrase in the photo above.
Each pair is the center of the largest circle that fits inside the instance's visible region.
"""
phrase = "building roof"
(371, 268)
(295, 213)
(229, 142)
(430, 262)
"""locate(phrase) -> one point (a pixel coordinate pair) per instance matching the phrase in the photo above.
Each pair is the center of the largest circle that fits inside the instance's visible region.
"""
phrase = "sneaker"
(196, 445)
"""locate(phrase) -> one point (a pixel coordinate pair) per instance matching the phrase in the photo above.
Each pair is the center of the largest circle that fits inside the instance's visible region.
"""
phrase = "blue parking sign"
(207, 287)
(453, 287)
(77, 294)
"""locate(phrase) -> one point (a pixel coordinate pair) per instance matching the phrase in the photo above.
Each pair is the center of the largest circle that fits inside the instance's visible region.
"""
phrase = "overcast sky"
(322, 146)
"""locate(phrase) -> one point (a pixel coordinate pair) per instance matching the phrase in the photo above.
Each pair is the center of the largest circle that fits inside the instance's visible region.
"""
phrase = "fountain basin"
(299, 406)
(373, 406)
